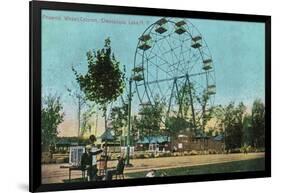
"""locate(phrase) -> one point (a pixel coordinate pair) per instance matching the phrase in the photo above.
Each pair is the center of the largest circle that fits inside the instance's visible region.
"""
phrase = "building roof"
(107, 136)
(69, 141)
(218, 138)
(200, 134)
(154, 139)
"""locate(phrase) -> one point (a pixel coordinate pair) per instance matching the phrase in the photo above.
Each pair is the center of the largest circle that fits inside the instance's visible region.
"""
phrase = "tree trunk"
(105, 130)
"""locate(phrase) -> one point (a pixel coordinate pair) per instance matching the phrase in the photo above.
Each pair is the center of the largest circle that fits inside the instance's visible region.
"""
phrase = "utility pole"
(129, 123)
(132, 78)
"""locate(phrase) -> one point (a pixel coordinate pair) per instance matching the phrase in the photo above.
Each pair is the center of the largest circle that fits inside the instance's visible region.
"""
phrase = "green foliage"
(104, 81)
(184, 101)
(231, 119)
(212, 132)
(185, 111)
(151, 119)
(241, 129)
(176, 125)
(248, 132)
(119, 116)
(51, 117)
(206, 113)
(85, 119)
(258, 123)
(135, 133)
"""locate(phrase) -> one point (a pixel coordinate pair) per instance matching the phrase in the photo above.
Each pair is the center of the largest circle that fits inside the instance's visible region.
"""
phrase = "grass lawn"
(236, 166)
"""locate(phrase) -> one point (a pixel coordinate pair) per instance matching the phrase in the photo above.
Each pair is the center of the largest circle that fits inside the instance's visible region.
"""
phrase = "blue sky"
(237, 50)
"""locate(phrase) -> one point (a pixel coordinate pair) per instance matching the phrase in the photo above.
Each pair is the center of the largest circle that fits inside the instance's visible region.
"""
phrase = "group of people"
(89, 162)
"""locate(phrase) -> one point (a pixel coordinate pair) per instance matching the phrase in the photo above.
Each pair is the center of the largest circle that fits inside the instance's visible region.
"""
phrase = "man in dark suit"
(89, 161)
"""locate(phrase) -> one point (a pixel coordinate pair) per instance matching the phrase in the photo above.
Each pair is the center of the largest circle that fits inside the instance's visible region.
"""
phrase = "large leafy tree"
(230, 119)
(258, 123)
(218, 117)
(176, 126)
(240, 117)
(51, 117)
(104, 81)
(248, 132)
(239, 127)
(151, 119)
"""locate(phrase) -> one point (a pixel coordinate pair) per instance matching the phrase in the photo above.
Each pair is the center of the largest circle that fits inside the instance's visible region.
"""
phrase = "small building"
(198, 142)
(153, 143)
(64, 143)
(113, 145)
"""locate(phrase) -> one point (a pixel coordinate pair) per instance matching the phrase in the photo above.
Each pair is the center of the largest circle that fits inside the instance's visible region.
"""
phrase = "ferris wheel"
(173, 65)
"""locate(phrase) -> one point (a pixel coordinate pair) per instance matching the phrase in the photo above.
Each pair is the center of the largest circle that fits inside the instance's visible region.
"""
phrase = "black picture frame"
(35, 8)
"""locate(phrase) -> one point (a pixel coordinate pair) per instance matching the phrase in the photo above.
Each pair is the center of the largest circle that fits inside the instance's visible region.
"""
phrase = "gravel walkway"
(52, 173)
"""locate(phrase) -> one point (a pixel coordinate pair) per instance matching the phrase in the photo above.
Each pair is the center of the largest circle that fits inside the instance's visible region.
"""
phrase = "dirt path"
(52, 173)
